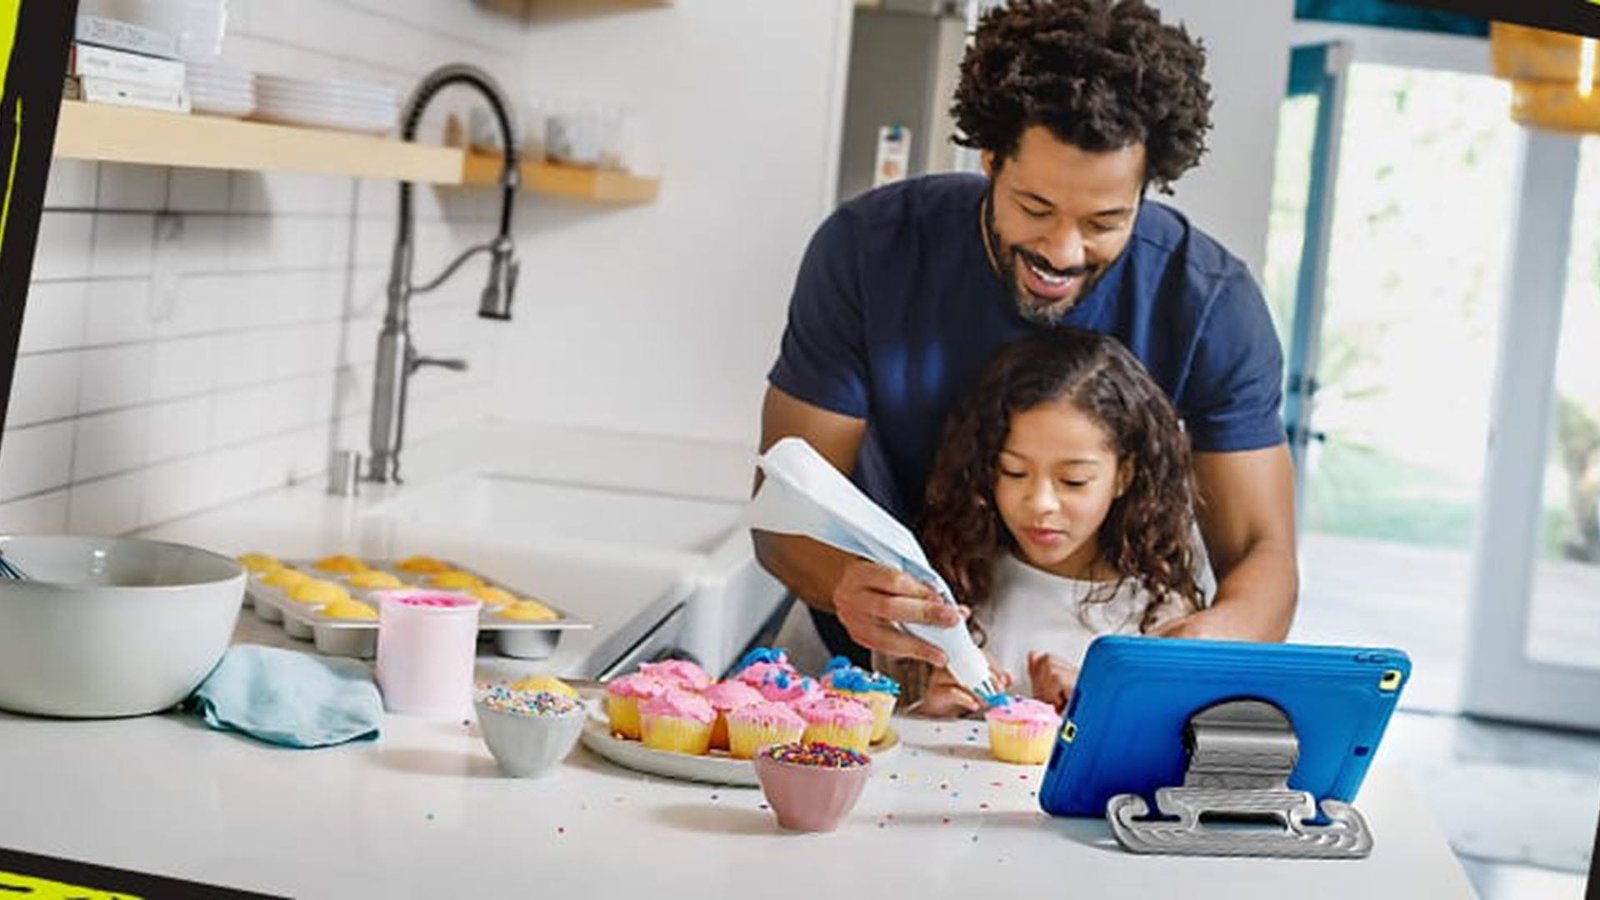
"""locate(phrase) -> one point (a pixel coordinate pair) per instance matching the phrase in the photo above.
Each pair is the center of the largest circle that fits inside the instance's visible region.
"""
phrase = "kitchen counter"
(424, 812)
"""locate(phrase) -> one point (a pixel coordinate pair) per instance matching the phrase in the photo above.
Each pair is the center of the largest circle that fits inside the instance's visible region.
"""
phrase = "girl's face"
(1057, 478)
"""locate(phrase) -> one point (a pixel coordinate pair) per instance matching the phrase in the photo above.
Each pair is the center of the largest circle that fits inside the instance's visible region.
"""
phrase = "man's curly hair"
(1099, 74)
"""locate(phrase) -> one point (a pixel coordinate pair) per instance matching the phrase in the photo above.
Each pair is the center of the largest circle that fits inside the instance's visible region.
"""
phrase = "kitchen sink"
(548, 513)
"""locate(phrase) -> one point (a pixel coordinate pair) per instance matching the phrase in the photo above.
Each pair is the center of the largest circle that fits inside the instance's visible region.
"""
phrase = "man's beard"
(1008, 258)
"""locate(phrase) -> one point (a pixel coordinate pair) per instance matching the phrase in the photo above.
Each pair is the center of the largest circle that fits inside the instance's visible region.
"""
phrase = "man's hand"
(1207, 624)
(1053, 679)
(870, 599)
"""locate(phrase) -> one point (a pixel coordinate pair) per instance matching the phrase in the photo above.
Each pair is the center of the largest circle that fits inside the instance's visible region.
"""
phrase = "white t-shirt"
(1034, 610)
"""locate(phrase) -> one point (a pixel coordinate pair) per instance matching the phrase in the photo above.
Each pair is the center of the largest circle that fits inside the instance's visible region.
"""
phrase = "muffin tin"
(521, 638)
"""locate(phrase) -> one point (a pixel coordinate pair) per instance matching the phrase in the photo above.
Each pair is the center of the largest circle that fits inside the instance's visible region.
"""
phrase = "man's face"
(1058, 217)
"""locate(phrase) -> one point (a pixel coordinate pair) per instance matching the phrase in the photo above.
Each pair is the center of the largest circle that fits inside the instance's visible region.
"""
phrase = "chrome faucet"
(397, 355)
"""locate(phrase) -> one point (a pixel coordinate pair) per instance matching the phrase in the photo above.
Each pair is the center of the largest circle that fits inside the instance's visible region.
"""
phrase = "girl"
(1060, 506)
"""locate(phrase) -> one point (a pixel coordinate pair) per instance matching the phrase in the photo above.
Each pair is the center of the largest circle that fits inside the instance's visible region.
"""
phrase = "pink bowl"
(810, 798)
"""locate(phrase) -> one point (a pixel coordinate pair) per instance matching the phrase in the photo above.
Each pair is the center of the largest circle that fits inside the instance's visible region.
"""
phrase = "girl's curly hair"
(1099, 74)
(1146, 532)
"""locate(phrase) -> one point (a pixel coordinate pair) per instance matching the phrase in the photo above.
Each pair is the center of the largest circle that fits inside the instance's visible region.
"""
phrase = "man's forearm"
(809, 569)
(1256, 598)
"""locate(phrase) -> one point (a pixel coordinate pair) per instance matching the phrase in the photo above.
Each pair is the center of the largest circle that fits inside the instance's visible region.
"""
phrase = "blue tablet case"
(1124, 726)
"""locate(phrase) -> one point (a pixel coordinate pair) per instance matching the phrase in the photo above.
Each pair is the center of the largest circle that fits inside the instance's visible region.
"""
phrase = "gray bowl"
(529, 746)
(111, 626)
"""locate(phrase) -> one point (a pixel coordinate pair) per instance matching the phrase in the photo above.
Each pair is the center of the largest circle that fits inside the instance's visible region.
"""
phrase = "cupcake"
(1022, 730)
(315, 591)
(680, 672)
(761, 724)
(725, 697)
(755, 666)
(493, 597)
(789, 687)
(875, 691)
(354, 610)
(546, 684)
(677, 721)
(421, 565)
(260, 563)
(811, 787)
(528, 732)
(340, 563)
(374, 580)
(285, 578)
(623, 696)
(528, 611)
(836, 721)
(455, 580)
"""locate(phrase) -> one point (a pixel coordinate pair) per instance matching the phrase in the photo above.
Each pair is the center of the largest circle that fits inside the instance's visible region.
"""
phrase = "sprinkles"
(823, 756)
(505, 699)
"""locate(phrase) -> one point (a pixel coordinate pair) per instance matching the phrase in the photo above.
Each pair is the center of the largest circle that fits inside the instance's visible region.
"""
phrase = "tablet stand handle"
(1240, 755)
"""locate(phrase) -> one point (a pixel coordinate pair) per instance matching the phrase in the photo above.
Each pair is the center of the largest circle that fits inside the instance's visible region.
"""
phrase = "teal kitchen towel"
(289, 698)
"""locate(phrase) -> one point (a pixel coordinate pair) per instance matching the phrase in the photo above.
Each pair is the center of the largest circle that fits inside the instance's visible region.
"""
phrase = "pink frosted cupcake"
(836, 721)
(623, 696)
(679, 672)
(789, 687)
(725, 697)
(761, 724)
(677, 721)
(754, 667)
(1022, 730)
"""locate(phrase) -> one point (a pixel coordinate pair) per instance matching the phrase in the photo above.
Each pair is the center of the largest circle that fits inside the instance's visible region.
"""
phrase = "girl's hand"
(945, 699)
(1053, 679)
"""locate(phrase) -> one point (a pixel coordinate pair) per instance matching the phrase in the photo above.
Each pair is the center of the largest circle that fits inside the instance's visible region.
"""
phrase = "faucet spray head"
(495, 302)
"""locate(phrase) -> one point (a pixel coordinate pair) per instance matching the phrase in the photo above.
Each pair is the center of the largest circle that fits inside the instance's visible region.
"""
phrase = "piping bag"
(803, 494)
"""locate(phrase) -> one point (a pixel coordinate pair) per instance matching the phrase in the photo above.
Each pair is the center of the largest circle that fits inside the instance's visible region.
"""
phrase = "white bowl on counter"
(111, 626)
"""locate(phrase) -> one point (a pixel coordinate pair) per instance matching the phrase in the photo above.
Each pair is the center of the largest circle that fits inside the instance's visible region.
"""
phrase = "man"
(1078, 106)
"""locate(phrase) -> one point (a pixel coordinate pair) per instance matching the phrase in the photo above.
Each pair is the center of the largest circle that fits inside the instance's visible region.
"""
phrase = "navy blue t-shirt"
(897, 309)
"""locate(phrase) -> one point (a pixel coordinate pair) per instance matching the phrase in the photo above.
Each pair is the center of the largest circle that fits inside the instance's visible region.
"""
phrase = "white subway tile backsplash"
(123, 245)
(53, 317)
(63, 246)
(43, 387)
(126, 186)
(106, 507)
(114, 377)
(71, 183)
(174, 489)
(178, 428)
(44, 514)
(118, 311)
(109, 443)
(199, 190)
(35, 459)
(240, 359)
(292, 193)
(181, 368)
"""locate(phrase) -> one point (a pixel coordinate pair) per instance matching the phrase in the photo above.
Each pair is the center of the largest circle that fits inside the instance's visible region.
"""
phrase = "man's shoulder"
(1166, 235)
(920, 203)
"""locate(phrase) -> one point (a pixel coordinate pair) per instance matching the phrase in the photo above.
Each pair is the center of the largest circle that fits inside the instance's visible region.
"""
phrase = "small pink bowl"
(810, 798)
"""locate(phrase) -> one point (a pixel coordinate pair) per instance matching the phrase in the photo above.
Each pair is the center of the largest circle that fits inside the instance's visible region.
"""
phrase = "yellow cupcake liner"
(1021, 742)
(676, 735)
(624, 715)
(746, 740)
(855, 737)
(881, 704)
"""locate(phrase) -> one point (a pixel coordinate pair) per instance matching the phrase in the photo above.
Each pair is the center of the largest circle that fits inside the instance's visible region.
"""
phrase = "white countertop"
(424, 812)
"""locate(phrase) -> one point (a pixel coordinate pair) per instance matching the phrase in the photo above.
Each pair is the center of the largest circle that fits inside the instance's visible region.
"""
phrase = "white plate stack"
(325, 103)
(220, 90)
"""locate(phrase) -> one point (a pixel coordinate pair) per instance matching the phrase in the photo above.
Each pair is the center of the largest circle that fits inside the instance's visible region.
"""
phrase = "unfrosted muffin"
(349, 609)
(421, 565)
(341, 563)
(677, 721)
(493, 597)
(374, 580)
(285, 578)
(546, 684)
(1022, 730)
(455, 580)
(528, 611)
(316, 590)
(761, 724)
(259, 562)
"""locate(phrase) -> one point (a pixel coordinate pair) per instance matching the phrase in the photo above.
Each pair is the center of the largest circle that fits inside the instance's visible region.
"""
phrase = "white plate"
(715, 768)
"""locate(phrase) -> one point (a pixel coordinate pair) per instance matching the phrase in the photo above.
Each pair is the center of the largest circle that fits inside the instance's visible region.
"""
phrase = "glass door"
(1536, 588)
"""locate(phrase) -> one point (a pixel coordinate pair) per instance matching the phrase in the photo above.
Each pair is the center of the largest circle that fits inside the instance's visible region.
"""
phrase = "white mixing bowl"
(111, 626)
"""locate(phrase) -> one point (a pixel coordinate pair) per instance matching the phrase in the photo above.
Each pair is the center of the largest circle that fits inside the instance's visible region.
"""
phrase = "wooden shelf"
(99, 132)
(572, 182)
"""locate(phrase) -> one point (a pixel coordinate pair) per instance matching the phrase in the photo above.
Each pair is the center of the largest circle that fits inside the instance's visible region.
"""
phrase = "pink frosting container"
(427, 646)
(810, 798)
